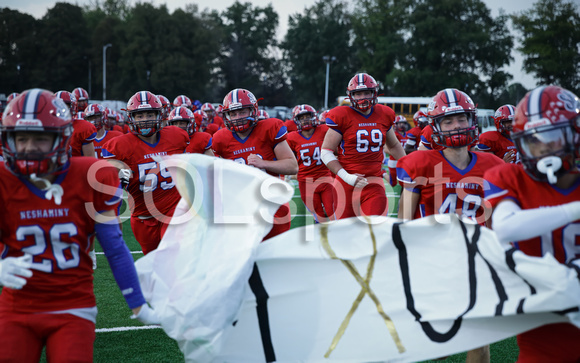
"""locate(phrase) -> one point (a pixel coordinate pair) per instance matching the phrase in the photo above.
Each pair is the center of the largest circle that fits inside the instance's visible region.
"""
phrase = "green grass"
(153, 345)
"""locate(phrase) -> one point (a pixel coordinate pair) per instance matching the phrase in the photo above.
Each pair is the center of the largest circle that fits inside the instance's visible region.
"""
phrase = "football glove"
(147, 316)
(124, 176)
(14, 269)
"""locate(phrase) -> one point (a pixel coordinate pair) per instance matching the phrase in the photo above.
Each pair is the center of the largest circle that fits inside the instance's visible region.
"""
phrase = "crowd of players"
(521, 180)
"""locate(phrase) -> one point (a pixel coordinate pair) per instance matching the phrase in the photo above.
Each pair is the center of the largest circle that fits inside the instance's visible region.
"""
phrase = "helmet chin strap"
(52, 190)
(549, 166)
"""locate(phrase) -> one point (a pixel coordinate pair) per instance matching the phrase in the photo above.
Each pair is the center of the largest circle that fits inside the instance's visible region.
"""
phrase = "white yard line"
(127, 328)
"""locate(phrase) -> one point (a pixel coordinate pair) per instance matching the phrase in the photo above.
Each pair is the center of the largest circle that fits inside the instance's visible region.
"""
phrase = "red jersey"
(118, 129)
(414, 136)
(147, 177)
(290, 125)
(363, 137)
(261, 141)
(218, 121)
(99, 142)
(402, 138)
(443, 187)
(307, 151)
(511, 181)
(84, 132)
(199, 143)
(496, 143)
(58, 236)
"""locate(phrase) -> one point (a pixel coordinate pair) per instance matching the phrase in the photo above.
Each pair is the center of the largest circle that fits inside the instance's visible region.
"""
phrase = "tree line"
(411, 47)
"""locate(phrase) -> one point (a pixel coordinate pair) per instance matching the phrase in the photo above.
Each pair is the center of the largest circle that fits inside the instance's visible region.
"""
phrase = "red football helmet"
(401, 123)
(37, 110)
(546, 132)
(111, 117)
(183, 114)
(11, 96)
(69, 99)
(450, 102)
(97, 115)
(184, 101)
(363, 82)
(144, 101)
(166, 109)
(236, 100)
(209, 110)
(262, 115)
(420, 119)
(305, 124)
(504, 118)
(219, 110)
(80, 115)
(82, 97)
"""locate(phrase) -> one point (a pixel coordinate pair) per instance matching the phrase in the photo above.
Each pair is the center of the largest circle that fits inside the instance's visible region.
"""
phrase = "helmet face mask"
(451, 104)
(503, 118)
(420, 119)
(546, 132)
(39, 115)
(96, 114)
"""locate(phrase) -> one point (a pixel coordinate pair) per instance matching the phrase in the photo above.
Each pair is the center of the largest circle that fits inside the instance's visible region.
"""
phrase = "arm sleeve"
(121, 263)
(508, 220)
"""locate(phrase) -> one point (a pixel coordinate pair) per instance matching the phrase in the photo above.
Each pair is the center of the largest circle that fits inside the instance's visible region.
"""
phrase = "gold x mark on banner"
(365, 289)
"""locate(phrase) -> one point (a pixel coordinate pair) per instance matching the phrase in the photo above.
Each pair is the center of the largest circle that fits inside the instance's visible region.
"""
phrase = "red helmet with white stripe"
(546, 132)
(184, 101)
(69, 99)
(38, 111)
(305, 124)
(449, 102)
(144, 101)
(420, 119)
(97, 115)
(504, 118)
(82, 97)
(240, 99)
(183, 118)
(363, 82)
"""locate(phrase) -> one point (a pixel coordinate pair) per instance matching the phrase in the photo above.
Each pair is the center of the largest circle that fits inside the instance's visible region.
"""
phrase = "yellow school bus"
(406, 106)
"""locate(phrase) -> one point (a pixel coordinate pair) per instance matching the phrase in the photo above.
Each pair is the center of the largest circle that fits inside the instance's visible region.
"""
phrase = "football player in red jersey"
(153, 196)
(84, 132)
(199, 141)
(262, 115)
(537, 206)
(165, 109)
(448, 180)
(82, 97)
(48, 298)
(212, 117)
(112, 120)
(96, 114)
(414, 135)
(359, 133)
(314, 178)
(260, 144)
(184, 101)
(499, 142)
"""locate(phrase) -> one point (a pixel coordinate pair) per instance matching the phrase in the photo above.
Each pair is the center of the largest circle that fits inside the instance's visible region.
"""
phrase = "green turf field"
(120, 339)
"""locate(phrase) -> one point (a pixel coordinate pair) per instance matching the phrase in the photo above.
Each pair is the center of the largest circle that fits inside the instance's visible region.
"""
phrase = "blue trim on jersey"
(426, 143)
(307, 138)
(492, 191)
(569, 190)
(483, 147)
(106, 154)
(156, 142)
(467, 169)
(283, 131)
(104, 135)
(121, 262)
(117, 197)
(208, 144)
(330, 123)
(405, 178)
(422, 210)
(90, 138)
(362, 114)
(240, 140)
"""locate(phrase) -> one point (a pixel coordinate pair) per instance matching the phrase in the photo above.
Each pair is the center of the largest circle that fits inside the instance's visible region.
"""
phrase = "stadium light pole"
(327, 59)
(105, 70)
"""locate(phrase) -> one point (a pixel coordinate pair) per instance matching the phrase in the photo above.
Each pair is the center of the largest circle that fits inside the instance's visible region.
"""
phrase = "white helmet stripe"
(361, 78)
(534, 104)
(235, 98)
(450, 93)
(512, 109)
(143, 97)
(31, 103)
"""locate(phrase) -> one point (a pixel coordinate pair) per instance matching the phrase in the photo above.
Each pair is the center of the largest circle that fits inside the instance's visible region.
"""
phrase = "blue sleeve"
(121, 262)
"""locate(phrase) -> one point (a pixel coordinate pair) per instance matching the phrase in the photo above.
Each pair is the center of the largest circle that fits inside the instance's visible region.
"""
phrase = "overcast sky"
(284, 8)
